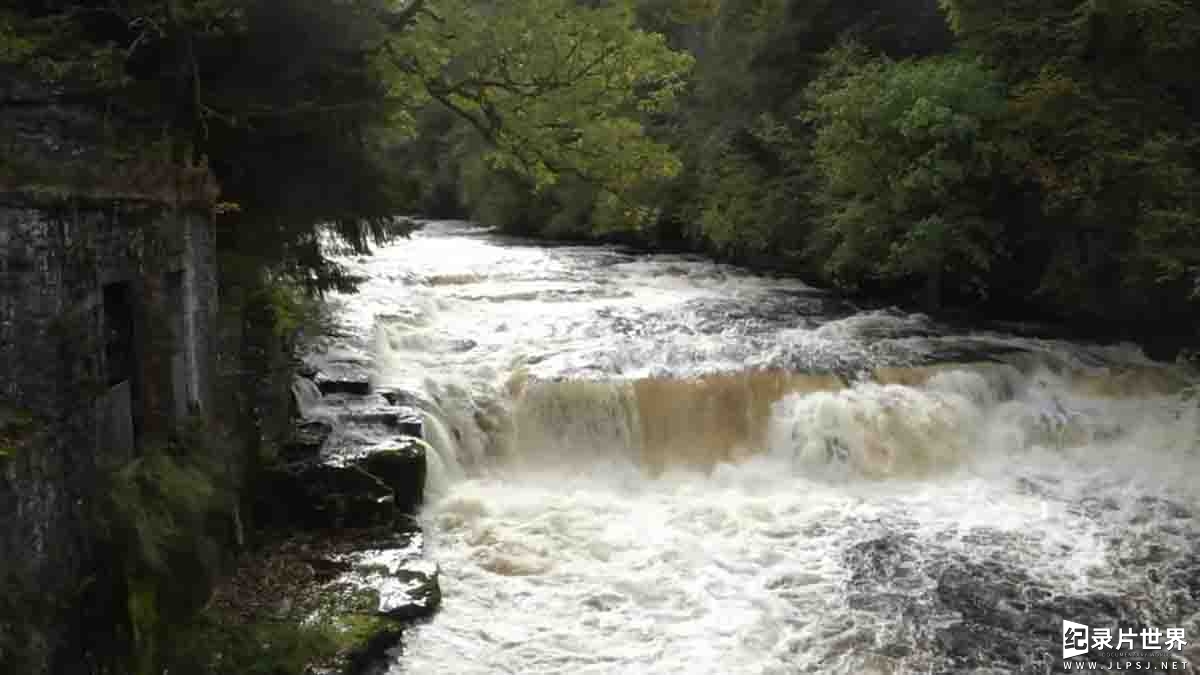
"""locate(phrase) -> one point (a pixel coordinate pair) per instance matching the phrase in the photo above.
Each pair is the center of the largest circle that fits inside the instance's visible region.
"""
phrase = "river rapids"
(659, 464)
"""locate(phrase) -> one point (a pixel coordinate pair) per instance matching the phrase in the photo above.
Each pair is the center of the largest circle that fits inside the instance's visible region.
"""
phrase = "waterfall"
(660, 465)
(308, 396)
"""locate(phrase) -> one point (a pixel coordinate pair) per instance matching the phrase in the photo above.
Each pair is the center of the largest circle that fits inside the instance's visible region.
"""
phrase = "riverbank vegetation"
(1026, 156)
(1029, 158)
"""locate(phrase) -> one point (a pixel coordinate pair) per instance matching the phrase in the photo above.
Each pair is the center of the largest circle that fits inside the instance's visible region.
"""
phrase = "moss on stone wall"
(149, 179)
(162, 517)
(18, 426)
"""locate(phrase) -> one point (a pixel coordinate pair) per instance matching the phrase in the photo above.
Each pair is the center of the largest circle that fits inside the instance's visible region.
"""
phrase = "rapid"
(658, 464)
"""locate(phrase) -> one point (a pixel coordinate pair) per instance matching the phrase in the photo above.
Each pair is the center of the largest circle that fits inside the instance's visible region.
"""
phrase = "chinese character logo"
(1175, 638)
(1075, 639)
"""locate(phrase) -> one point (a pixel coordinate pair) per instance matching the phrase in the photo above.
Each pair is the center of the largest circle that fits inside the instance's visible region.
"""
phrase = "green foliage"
(502, 199)
(908, 157)
(217, 643)
(1048, 159)
(158, 503)
(294, 309)
(296, 139)
(21, 609)
(164, 516)
(300, 140)
(1167, 240)
(556, 95)
(1106, 109)
(554, 86)
(213, 644)
(17, 426)
(748, 184)
(753, 195)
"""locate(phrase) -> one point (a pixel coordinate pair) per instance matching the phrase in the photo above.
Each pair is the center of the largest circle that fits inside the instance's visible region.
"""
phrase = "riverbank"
(344, 569)
(332, 603)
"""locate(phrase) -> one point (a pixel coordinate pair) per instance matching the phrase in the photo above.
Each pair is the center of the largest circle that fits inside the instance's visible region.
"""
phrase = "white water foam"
(564, 549)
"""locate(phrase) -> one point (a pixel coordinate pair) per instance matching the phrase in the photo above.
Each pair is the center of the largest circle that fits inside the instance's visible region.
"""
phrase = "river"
(657, 464)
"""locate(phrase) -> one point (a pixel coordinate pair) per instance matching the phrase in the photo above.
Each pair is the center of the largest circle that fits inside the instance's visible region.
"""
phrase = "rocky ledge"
(360, 587)
(342, 495)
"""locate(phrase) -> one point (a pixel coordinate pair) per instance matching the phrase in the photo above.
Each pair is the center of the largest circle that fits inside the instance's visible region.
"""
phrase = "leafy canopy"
(907, 158)
(556, 88)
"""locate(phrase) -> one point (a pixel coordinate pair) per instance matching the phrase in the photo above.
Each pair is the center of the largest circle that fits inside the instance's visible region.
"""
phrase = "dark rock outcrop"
(361, 464)
(402, 420)
(306, 441)
(404, 585)
(343, 378)
(402, 468)
(318, 495)
(371, 489)
(950, 612)
(354, 478)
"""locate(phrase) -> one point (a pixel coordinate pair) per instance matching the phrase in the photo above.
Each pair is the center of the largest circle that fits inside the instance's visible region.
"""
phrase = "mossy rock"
(18, 427)
(358, 636)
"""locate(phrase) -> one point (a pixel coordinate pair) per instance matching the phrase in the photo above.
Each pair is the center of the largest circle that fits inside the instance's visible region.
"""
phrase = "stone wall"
(75, 281)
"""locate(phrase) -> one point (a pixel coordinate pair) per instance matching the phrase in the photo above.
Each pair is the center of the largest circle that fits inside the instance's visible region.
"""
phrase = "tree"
(748, 180)
(1106, 103)
(908, 157)
(556, 88)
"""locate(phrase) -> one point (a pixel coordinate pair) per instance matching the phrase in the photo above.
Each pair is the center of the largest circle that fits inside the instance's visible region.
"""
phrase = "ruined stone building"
(107, 308)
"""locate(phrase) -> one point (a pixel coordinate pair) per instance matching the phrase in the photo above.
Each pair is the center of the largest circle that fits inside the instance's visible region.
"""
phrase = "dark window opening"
(118, 333)
(121, 357)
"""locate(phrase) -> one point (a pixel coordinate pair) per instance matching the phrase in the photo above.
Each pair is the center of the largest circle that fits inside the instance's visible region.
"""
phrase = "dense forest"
(1028, 155)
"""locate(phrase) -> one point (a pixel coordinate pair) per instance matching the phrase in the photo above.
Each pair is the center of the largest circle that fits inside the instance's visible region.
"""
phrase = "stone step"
(344, 378)
(404, 420)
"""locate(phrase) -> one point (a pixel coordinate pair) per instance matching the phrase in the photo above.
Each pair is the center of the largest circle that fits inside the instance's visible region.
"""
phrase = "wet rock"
(1186, 578)
(344, 378)
(943, 351)
(402, 468)
(956, 614)
(306, 441)
(349, 486)
(318, 495)
(1097, 507)
(371, 657)
(1005, 619)
(398, 581)
(978, 645)
(987, 594)
(325, 570)
(462, 345)
(359, 587)
(403, 420)
(888, 560)
(410, 592)
(400, 397)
